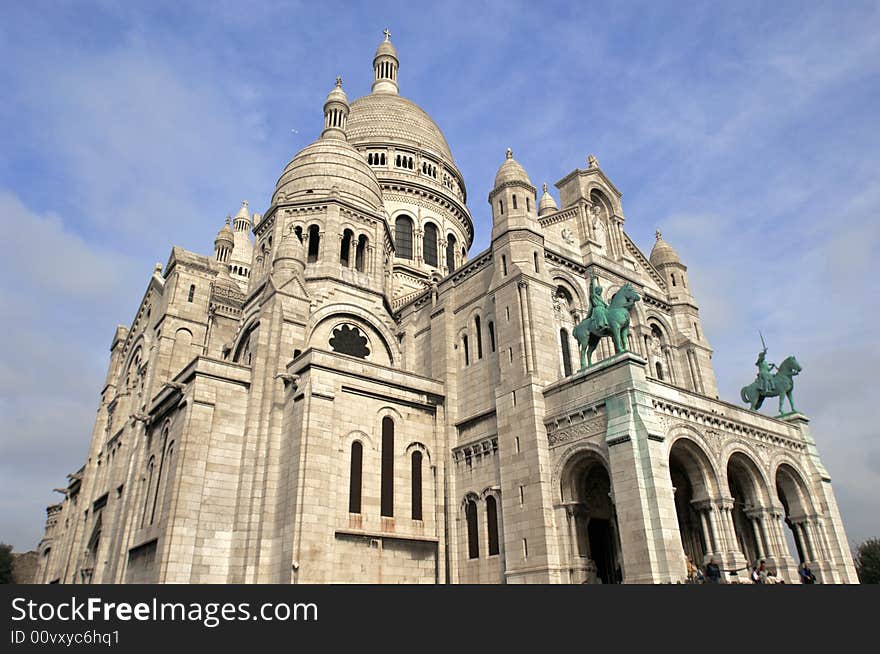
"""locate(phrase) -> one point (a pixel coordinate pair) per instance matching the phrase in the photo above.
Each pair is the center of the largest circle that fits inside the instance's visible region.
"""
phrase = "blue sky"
(747, 131)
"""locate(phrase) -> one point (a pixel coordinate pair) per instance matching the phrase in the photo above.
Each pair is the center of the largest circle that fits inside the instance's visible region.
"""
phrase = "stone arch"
(346, 440)
(586, 492)
(693, 454)
(564, 461)
(757, 485)
(792, 491)
(573, 285)
(606, 196)
(421, 447)
(363, 319)
(749, 489)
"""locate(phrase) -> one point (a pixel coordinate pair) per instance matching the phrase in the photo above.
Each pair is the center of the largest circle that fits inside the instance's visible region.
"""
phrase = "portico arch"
(592, 529)
(695, 483)
(746, 486)
(798, 509)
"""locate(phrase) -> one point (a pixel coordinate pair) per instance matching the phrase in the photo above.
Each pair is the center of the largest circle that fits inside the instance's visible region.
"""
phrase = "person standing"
(713, 572)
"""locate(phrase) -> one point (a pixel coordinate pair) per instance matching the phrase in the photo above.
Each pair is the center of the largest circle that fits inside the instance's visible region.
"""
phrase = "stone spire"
(385, 65)
(336, 111)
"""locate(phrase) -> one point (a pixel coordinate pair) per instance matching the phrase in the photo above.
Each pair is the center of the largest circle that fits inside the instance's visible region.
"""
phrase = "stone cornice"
(700, 417)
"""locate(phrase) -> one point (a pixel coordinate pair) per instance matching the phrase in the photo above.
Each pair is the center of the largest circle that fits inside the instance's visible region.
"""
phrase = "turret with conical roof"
(512, 198)
(666, 260)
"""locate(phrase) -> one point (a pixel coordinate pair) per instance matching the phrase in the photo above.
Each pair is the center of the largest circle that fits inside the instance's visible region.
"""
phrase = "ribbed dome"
(663, 253)
(547, 203)
(386, 117)
(225, 235)
(511, 171)
(326, 163)
(386, 48)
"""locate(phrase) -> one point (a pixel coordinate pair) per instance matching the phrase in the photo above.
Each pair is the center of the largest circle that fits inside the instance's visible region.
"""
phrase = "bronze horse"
(783, 385)
(617, 318)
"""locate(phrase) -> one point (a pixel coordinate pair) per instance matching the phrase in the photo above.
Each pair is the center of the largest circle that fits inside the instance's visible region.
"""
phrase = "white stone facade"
(349, 398)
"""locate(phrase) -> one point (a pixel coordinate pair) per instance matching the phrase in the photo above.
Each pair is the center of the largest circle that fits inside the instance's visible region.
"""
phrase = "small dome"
(225, 235)
(337, 94)
(547, 203)
(327, 167)
(663, 253)
(386, 48)
(511, 171)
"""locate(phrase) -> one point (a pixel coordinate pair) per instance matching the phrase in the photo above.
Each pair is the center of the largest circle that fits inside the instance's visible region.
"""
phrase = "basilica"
(341, 392)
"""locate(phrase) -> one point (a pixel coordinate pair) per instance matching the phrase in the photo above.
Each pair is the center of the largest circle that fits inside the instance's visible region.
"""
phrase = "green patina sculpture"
(767, 384)
(605, 319)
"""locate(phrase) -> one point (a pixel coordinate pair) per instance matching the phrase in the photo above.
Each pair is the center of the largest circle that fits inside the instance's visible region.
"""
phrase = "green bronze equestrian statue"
(605, 319)
(768, 384)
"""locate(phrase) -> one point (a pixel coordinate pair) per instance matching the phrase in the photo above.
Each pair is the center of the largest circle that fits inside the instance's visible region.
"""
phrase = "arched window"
(354, 477)
(345, 248)
(514, 200)
(192, 292)
(416, 485)
(464, 344)
(492, 524)
(501, 206)
(429, 244)
(470, 512)
(673, 279)
(535, 257)
(566, 352)
(403, 237)
(148, 481)
(450, 253)
(360, 256)
(659, 368)
(299, 233)
(387, 467)
(528, 204)
(479, 335)
(314, 243)
(491, 327)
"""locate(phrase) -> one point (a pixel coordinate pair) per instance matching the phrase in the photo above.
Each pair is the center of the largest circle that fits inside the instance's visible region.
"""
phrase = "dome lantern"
(336, 111)
(385, 65)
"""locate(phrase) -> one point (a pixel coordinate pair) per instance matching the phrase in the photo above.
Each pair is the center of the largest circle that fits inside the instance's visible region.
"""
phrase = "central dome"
(387, 117)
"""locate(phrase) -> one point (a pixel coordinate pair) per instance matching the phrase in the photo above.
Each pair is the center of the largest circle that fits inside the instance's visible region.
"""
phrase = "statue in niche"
(599, 234)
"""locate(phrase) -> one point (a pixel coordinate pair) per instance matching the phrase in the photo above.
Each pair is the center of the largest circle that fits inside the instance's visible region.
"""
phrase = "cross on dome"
(508, 154)
(658, 234)
(339, 81)
(387, 33)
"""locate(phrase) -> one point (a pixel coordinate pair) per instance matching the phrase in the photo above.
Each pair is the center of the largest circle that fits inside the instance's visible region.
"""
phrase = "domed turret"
(662, 253)
(512, 198)
(385, 65)
(511, 171)
(666, 260)
(336, 111)
(224, 242)
(547, 204)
